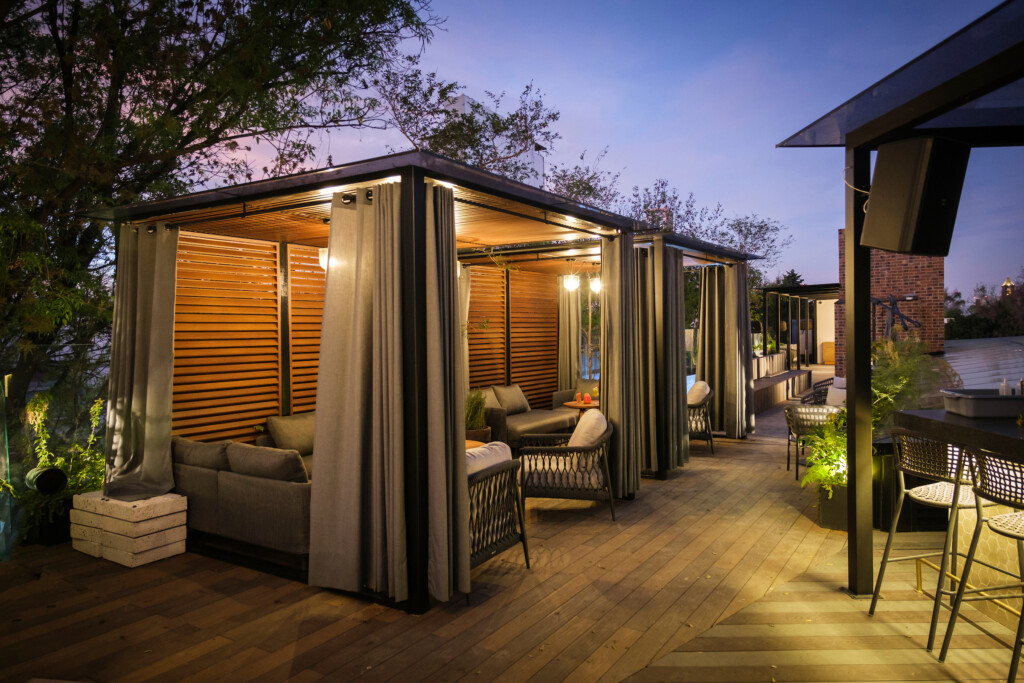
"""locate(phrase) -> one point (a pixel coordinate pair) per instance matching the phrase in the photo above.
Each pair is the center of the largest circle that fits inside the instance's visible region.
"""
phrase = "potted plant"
(826, 467)
(476, 428)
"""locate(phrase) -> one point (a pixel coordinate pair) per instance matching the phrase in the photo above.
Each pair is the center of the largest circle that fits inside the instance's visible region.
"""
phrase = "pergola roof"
(822, 291)
(969, 87)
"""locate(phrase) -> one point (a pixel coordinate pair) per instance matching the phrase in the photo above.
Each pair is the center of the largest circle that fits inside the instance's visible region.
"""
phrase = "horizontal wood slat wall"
(306, 280)
(487, 339)
(533, 318)
(227, 369)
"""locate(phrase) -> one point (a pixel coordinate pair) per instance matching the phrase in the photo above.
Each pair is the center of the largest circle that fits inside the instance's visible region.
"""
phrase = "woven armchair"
(802, 420)
(699, 420)
(818, 393)
(553, 469)
(495, 513)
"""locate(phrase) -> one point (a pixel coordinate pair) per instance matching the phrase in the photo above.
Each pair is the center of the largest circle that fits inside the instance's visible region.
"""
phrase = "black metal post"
(414, 369)
(857, 280)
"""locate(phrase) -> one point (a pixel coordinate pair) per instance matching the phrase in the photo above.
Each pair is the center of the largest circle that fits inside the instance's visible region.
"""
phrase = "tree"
(585, 183)
(424, 109)
(791, 278)
(992, 315)
(106, 103)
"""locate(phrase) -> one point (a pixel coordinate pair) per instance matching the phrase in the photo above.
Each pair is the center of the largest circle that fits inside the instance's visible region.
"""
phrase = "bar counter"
(999, 435)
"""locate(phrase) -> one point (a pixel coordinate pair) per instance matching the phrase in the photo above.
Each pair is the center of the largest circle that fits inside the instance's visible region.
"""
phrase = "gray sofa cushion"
(293, 432)
(199, 485)
(512, 399)
(490, 399)
(197, 454)
(538, 422)
(267, 463)
(271, 514)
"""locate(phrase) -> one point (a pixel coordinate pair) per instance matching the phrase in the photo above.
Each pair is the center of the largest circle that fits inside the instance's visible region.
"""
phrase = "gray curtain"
(671, 376)
(465, 282)
(723, 353)
(357, 515)
(448, 489)
(619, 363)
(138, 439)
(568, 336)
(644, 323)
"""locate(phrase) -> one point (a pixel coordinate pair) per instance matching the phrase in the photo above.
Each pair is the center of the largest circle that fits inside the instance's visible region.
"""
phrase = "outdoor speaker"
(915, 192)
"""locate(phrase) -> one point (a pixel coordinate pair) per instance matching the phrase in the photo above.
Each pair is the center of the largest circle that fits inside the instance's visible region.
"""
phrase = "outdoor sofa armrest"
(543, 440)
(495, 418)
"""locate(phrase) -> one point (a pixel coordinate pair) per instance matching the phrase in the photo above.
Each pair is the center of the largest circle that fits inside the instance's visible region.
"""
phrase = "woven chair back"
(803, 419)
(928, 458)
(1000, 480)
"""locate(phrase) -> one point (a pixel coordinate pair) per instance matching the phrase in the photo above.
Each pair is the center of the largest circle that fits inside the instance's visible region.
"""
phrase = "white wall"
(826, 331)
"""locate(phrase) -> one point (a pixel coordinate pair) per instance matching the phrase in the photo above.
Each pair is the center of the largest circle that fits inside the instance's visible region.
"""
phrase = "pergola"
(967, 89)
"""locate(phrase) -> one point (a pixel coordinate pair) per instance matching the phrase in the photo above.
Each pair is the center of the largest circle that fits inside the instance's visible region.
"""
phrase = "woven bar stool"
(1000, 481)
(944, 465)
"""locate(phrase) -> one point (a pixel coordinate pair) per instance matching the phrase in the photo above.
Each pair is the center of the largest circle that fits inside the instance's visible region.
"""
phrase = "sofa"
(257, 496)
(507, 412)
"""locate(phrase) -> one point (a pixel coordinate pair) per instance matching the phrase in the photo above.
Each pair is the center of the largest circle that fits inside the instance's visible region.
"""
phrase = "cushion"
(538, 422)
(490, 400)
(293, 432)
(839, 382)
(512, 399)
(267, 463)
(835, 397)
(697, 393)
(590, 428)
(482, 457)
(197, 454)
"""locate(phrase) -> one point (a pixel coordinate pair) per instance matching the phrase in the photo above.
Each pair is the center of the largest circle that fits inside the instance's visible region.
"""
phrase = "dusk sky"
(700, 94)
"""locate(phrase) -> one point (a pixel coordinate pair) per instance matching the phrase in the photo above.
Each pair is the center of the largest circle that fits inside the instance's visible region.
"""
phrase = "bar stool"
(1000, 481)
(943, 464)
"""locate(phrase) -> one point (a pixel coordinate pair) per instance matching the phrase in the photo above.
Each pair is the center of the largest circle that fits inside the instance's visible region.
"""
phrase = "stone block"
(87, 547)
(125, 528)
(130, 511)
(130, 559)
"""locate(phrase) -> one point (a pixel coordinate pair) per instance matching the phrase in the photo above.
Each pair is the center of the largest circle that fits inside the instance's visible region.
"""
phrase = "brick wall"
(898, 274)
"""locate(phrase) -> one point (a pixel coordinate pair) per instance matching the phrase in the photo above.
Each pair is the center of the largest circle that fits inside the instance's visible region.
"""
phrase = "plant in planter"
(476, 428)
(826, 467)
(46, 503)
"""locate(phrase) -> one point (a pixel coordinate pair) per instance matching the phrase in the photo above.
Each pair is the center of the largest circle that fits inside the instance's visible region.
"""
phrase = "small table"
(473, 444)
(581, 406)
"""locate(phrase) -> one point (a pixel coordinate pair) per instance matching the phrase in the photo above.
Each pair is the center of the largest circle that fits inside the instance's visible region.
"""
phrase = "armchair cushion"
(482, 457)
(590, 428)
(537, 422)
(211, 456)
(512, 399)
(697, 393)
(267, 463)
(293, 432)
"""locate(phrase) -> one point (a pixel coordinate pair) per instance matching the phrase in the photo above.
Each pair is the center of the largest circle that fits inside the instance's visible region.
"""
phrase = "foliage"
(106, 103)
(791, 278)
(425, 110)
(83, 463)
(826, 464)
(475, 409)
(992, 315)
(585, 182)
(903, 377)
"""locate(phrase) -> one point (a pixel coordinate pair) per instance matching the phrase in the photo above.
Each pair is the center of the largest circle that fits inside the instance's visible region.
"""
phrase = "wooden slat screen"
(533, 318)
(227, 369)
(305, 312)
(487, 343)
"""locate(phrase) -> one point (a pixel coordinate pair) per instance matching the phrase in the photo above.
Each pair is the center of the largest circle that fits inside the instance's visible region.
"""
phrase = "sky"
(700, 93)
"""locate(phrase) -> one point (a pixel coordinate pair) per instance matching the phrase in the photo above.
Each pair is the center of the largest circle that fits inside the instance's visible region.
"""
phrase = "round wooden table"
(581, 406)
(473, 444)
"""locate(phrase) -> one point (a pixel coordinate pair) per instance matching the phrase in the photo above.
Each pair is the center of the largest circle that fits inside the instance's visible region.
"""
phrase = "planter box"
(832, 511)
(129, 533)
(986, 403)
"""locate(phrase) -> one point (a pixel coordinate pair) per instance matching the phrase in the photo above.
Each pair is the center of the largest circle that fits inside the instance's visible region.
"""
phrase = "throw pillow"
(697, 393)
(512, 399)
(267, 463)
(588, 430)
(212, 456)
(293, 432)
(482, 457)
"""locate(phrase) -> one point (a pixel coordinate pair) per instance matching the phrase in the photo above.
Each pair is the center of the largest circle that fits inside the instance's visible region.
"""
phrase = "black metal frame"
(568, 468)
(496, 519)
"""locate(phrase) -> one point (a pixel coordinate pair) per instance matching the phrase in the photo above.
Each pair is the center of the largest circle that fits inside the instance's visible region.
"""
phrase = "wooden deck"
(604, 600)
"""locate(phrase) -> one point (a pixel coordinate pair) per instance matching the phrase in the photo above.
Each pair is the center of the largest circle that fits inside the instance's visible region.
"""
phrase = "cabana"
(967, 90)
(345, 291)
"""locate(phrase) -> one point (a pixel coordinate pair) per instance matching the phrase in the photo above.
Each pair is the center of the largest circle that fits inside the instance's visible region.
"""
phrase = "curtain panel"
(671, 373)
(568, 336)
(644, 323)
(620, 364)
(448, 486)
(465, 288)
(723, 354)
(138, 438)
(357, 507)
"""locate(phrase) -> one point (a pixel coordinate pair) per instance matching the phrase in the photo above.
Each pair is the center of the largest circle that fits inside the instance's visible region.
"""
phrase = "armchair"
(496, 521)
(569, 466)
(698, 412)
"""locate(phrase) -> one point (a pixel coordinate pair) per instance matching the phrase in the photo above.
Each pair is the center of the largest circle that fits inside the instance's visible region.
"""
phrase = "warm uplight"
(595, 285)
(572, 282)
(322, 254)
